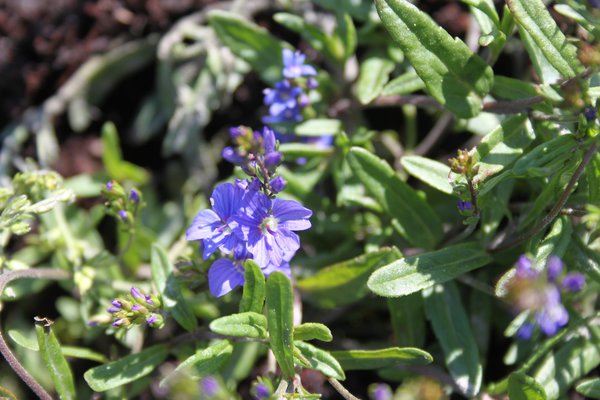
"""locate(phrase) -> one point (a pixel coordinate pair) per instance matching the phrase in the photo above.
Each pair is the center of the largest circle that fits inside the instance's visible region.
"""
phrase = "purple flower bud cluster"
(138, 308)
(245, 223)
(287, 98)
(539, 290)
(120, 204)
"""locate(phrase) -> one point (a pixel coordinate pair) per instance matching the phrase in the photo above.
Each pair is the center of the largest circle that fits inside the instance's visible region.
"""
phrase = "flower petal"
(203, 226)
(223, 277)
(291, 215)
(226, 200)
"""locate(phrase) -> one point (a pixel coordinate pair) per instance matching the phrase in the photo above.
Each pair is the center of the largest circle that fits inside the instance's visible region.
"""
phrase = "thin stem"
(341, 389)
(555, 211)
(37, 273)
(435, 134)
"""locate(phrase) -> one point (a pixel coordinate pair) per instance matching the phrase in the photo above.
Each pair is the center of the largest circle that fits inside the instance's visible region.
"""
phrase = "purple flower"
(573, 282)
(272, 157)
(277, 184)
(524, 268)
(109, 185)
(590, 112)
(381, 391)
(594, 3)
(123, 215)
(214, 227)
(465, 205)
(283, 102)
(525, 331)
(553, 314)
(554, 267)
(293, 65)
(267, 225)
(230, 154)
(262, 391)
(209, 386)
(225, 275)
(134, 196)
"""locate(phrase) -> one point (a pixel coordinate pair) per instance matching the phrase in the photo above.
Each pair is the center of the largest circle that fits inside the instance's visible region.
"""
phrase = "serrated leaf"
(312, 330)
(253, 295)
(453, 331)
(351, 360)
(534, 17)
(589, 388)
(417, 221)
(523, 387)
(55, 361)
(414, 273)
(319, 360)
(247, 324)
(345, 282)
(203, 362)
(453, 74)
(433, 173)
(280, 320)
(374, 74)
(170, 289)
(250, 42)
(127, 369)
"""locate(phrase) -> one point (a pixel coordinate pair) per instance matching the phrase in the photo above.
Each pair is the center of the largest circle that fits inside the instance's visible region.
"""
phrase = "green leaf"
(414, 273)
(351, 360)
(512, 89)
(83, 353)
(117, 168)
(534, 17)
(318, 127)
(433, 173)
(417, 221)
(253, 296)
(170, 289)
(374, 74)
(574, 359)
(24, 340)
(589, 388)
(280, 319)
(55, 361)
(503, 145)
(314, 358)
(523, 387)
(312, 330)
(247, 324)
(407, 319)
(250, 42)
(345, 282)
(453, 74)
(583, 258)
(453, 331)
(546, 72)
(295, 150)
(203, 362)
(126, 369)
(406, 83)
(347, 33)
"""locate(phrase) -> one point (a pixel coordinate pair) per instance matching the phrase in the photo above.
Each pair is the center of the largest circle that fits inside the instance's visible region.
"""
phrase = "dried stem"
(37, 273)
(341, 389)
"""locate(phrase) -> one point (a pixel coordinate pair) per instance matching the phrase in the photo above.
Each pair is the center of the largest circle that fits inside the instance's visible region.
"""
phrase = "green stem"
(37, 273)
(73, 253)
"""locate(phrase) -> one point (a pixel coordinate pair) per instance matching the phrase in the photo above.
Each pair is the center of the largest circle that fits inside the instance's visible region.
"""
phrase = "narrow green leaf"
(374, 74)
(523, 387)
(512, 89)
(55, 361)
(170, 289)
(280, 319)
(351, 360)
(253, 296)
(126, 369)
(203, 362)
(583, 258)
(574, 359)
(589, 388)
(24, 340)
(345, 282)
(6, 394)
(406, 83)
(247, 324)
(503, 145)
(112, 158)
(453, 331)
(417, 221)
(347, 33)
(411, 274)
(295, 150)
(534, 17)
(546, 72)
(83, 353)
(453, 74)
(433, 173)
(319, 360)
(312, 330)
(318, 127)
(555, 242)
(408, 320)
(249, 42)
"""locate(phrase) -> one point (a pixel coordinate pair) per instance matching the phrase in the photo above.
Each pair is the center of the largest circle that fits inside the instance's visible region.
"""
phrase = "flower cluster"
(246, 220)
(138, 308)
(288, 98)
(539, 292)
(121, 204)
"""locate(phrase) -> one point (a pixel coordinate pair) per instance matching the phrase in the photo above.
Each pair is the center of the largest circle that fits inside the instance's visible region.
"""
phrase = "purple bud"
(118, 322)
(590, 112)
(109, 185)
(312, 83)
(149, 300)
(594, 3)
(116, 303)
(134, 196)
(237, 131)
(304, 101)
(554, 267)
(381, 391)
(278, 184)
(209, 386)
(136, 307)
(113, 309)
(137, 294)
(262, 391)
(231, 155)
(123, 215)
(524, 269)
(273, 159)
(269, 140)
(465, 205)
(525, 331)
(573, 282)
(152, 319)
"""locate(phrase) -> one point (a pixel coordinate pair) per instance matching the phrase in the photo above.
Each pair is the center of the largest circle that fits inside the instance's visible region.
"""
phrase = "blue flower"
(293, 65)
(465, 205)
(214, 227)
(283, 103)
(553, 315)
(267, 226)
(573, 282)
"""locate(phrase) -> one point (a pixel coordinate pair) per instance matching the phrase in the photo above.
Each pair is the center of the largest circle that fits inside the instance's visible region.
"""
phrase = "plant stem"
(37, 273)
(341, 389)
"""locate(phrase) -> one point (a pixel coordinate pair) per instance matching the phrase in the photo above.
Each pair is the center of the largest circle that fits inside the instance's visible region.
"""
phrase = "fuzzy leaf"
(312, 330)
(432, 172)
(280, 313)
(382, 358)
(374, 74)
(253, 296)
(523, 387)
(247, 324)
(319, 360)
(203, 362)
